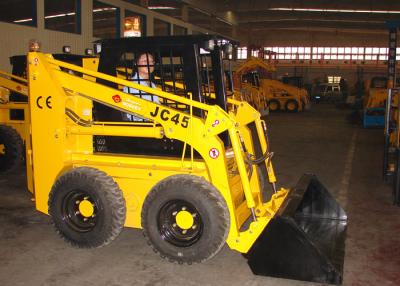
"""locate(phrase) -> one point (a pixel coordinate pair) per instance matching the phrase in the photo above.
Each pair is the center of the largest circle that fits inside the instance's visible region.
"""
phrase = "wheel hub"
(291, 105)
(184, 219)
(273, 106)
(79, 211)
(86, 208)
(179, 223)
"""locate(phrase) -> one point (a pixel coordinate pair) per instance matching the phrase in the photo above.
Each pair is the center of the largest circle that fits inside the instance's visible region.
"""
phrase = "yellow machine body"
(283, 92)
(59, 131)
(283, 96)
(63, 144)
(375, 96)
(254, 96)
(11, 83)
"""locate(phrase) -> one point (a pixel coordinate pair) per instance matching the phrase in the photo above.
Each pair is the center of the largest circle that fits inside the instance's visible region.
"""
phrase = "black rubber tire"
(212, 219)
(295, 104)
(106, 197)
(273, 102)
(13, 155)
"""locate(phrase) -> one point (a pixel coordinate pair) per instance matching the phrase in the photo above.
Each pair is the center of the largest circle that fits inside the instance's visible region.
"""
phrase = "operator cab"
(192, 66)
(379, 82)
(188, 66)
(251, 78)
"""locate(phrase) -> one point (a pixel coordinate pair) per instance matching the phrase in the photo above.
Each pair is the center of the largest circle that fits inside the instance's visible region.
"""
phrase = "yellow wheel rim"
(184, 219)
(273, 106)
(2, 149)
(86, 208)
(291, 106)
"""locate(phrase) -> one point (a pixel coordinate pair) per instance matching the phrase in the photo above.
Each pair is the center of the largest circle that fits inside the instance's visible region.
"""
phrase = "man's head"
(145, 65)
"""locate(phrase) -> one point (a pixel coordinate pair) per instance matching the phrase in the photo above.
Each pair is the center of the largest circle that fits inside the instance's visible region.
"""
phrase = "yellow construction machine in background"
(285, 97)
(274, 93)
(247, 82)
(391, 157)
(190, 169)
(376, 91)
(14, 130)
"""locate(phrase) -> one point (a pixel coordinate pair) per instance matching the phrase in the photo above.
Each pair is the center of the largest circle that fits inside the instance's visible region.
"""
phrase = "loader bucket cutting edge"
(306, 238)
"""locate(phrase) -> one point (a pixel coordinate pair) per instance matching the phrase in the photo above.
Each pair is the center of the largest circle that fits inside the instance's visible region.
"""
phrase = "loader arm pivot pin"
(253, 214)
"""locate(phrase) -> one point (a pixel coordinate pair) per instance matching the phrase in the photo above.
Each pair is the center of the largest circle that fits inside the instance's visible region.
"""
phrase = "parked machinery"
(374, 102)
(298, 82)
(14, 102)
(13, 128)
(285, 97)
(391, 157)
(246, 78)
(278, 95)
(192, 173)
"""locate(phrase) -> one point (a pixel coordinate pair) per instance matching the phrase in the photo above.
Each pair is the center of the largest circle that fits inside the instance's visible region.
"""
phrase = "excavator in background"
(195, 172)
(278, 95)
(374, 103)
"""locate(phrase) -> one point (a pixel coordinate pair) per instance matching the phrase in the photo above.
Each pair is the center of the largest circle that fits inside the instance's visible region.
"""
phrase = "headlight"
(66, 49)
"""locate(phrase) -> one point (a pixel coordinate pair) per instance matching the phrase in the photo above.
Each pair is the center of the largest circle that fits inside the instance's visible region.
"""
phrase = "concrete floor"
(346, 158)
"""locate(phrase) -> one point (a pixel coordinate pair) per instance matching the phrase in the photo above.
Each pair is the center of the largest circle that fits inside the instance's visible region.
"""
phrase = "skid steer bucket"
(305, 240)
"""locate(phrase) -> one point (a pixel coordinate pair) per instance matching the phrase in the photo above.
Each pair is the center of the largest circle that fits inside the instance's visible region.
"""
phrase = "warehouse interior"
(186, 142)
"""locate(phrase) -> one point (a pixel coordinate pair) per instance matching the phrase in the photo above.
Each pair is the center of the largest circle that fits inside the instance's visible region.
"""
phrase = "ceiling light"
(336, 10)
(23, 20)
(161, 8)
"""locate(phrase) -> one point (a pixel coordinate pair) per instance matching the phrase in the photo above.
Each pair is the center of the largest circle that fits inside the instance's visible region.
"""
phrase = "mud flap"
(306, 238)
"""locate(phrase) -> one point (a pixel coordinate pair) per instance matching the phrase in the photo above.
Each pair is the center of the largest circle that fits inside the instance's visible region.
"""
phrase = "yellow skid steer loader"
(191, 170)
(13, 128)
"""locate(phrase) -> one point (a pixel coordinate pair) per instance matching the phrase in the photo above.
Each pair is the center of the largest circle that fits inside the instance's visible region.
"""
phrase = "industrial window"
(21, 12)
(334, 79)
(329, 53)
(105, 20)
(242, 53)
(63, 15)
(161, 28)
(178, 30)
(134, 24)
